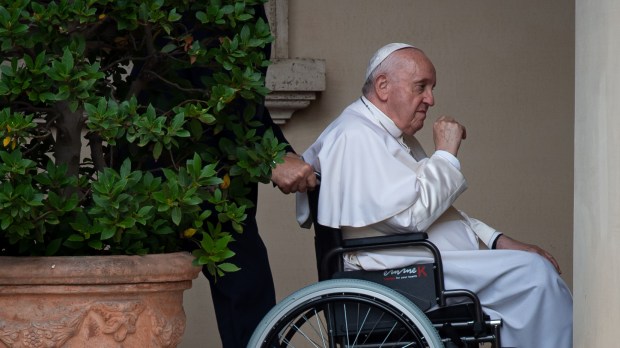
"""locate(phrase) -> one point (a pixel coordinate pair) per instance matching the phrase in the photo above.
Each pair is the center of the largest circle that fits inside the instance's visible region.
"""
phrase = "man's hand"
(505, 242)
(447, 134)
(294, 175)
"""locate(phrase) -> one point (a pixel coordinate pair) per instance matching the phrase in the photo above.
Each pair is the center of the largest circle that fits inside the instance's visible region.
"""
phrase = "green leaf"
(173, 16)
(176, 215)
(169, 48)
(157, 150)
(245, 33)
(95, 244)
(108, 233)
(52, 247)
(202, 17)
(203, 260)
(237, 227)
(125, 168)
(127, 223)
(228, 267)
(75, 238)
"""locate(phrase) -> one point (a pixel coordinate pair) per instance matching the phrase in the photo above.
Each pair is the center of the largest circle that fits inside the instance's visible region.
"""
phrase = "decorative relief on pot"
(113, 319)
(94, 302)
(47, 334)
(100, 324)
(167, 331)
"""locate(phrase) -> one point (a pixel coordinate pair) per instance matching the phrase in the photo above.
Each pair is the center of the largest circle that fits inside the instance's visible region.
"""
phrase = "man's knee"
(539, 272)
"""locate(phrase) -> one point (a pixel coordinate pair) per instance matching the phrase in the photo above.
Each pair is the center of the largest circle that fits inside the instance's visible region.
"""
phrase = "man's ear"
(381, 87)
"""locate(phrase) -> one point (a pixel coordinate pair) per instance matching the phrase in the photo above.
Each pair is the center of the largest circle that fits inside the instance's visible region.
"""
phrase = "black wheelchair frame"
(392, 308)
(460, 325)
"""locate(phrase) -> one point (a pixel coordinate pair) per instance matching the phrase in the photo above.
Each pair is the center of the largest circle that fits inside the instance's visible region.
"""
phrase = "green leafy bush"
(127, 126)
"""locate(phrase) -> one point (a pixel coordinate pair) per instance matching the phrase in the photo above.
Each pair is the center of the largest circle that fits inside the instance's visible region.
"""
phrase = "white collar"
(385, 122)
(382, 119)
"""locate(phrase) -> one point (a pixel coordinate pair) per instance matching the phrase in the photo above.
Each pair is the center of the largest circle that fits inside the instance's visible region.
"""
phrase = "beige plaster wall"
(505, 70)
(597, 169)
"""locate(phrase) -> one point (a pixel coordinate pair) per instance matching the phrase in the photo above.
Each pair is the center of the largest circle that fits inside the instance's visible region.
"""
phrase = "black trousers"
(241, 299)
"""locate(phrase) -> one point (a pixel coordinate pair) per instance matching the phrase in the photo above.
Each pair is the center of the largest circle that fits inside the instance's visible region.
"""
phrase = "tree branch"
(177, 86)
(96, 150)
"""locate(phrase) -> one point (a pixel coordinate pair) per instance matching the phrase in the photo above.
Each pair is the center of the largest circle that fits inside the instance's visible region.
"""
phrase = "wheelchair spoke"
(318, 329)
(346, 323)
(402, 338)
(377, 321)
(296, 327)
(360, 329)
(388, 335)
(309, 340)
(362, 325)
(322, 328)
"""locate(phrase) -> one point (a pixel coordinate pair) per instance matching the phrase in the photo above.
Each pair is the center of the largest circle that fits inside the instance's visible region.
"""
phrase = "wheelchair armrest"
(384, 240)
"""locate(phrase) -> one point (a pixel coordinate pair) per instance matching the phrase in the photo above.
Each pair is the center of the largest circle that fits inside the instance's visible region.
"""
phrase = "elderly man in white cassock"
(374, 184)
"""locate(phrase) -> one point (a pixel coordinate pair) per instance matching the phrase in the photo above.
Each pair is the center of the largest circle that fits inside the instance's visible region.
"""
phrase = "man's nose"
(429, 98)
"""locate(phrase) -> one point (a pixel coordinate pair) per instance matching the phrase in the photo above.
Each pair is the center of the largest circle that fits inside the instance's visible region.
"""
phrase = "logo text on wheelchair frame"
(407, 272)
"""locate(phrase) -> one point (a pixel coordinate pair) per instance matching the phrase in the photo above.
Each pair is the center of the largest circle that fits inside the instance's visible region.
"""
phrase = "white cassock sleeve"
(485, 233)
(393, 182)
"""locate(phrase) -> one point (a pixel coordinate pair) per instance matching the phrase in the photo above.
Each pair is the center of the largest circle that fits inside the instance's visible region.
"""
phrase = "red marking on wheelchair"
(422, 271)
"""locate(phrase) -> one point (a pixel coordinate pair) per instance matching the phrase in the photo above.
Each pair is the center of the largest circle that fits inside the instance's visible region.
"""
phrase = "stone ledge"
(294, 83)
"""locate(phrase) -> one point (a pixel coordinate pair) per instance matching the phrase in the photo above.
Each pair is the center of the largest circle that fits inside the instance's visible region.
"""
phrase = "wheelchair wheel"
(345, 313)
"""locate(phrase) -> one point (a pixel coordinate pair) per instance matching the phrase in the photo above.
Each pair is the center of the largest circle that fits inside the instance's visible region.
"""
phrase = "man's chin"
(413, 129)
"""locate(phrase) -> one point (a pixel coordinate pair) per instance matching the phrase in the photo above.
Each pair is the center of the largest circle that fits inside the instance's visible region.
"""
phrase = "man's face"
(410, 92)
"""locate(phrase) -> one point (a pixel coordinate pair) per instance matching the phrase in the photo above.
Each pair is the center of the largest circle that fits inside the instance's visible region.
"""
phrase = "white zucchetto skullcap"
(383, 53)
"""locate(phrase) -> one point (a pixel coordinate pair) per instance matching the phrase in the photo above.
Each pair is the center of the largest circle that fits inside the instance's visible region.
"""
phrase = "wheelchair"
(407, 307)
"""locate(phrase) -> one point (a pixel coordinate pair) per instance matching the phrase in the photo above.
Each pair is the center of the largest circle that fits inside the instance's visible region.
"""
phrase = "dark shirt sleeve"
(263, 115)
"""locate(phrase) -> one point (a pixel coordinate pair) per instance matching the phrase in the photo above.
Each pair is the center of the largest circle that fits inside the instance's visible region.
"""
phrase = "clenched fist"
(447, 134)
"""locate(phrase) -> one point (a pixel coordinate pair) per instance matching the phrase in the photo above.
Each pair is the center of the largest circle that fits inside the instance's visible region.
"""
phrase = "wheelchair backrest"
(416, 282)
(326, 239)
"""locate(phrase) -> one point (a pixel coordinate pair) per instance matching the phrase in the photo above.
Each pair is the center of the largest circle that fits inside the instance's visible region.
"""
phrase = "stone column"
(294, 82)
(597, 174)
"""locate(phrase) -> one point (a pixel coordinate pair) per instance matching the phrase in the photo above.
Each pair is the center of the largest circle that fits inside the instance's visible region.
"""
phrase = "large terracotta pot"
(94, 301)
